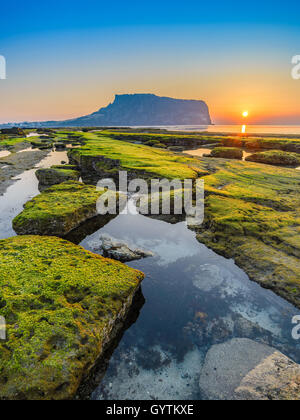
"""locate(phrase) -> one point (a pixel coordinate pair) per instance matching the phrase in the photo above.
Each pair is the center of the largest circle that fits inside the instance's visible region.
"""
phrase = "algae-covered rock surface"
(276, 157)
(58, 210)
(106, 157)
(42, 144)
(252, 215)
(263, 143)
(61, 304)
(53, 176)
(227, 153)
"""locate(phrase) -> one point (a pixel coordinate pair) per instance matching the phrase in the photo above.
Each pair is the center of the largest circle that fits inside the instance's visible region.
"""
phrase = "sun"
(245, 114)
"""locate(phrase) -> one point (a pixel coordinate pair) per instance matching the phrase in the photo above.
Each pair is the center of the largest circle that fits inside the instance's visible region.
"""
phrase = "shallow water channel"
(194, 299)
(204, 151)
(21, 191)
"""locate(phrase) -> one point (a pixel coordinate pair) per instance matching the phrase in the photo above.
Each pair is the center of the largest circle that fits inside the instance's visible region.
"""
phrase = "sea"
(236, 129)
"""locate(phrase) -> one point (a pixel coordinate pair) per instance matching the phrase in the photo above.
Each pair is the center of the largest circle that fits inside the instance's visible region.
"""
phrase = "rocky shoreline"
(67, 322)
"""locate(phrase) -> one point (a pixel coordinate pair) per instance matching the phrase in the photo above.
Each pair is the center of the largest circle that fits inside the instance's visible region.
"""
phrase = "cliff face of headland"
(147, 109)
(140, 110)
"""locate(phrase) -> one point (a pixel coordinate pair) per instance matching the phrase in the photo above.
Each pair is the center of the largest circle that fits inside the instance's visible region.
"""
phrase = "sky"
(69, 58)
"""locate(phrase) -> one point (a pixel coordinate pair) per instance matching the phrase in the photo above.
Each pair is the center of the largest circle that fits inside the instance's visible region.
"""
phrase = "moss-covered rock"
(252, 215)
(227, 153)
(175, 139)
(58, 210)
(53, 176)
(62, 306)
(276, 157)
(263, 143)
(69, 167)
(41, 144)
(106, 157)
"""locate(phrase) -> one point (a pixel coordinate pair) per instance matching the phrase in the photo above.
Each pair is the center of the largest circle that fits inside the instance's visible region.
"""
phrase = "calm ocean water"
(250, 129)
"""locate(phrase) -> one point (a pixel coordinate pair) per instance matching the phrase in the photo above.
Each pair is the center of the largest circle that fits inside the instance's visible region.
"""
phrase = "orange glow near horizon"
(227, 95)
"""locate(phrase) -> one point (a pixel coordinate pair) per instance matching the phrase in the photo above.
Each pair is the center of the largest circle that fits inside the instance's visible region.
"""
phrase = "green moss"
(276, 157)
(227, 153)
(41, 144)
(8, 142)
(54, 176)
(263, 143)
(164, 138)
(132, 157)
(69, 167)
(60, 303)
(58, 210)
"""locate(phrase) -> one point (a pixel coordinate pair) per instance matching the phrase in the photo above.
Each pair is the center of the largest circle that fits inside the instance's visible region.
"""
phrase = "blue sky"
(35, 16)
(69, 58)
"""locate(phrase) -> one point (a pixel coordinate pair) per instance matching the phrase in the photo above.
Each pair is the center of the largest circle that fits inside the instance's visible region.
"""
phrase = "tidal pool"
(194, 298)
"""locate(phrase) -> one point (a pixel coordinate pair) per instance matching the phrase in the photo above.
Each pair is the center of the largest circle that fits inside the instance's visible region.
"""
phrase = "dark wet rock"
(242, 369)
(89, 227)
(119, 250)
(15, 131)
(60, 145)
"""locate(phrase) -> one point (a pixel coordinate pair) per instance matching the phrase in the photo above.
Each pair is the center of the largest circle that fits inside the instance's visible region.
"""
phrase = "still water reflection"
(194, 299)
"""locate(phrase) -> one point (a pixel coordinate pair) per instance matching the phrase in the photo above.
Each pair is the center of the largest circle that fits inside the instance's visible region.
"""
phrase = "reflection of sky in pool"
(194, 299)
